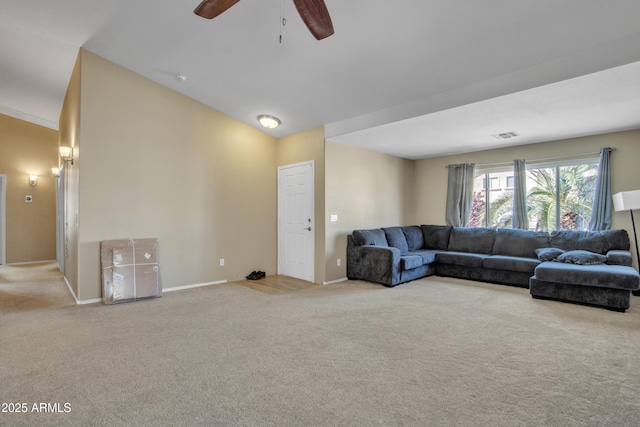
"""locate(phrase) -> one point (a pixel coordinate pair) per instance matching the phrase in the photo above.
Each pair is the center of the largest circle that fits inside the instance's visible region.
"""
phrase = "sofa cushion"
(460, 258)
(428, 255)
(510, 263)
(414, 236)
(375, 237)
(436, 236)
(607, 276)
(407, 262)
(582, 258)
(599, 242)
(519, 243)
(548, 254)
(396, 238)
(474, 240)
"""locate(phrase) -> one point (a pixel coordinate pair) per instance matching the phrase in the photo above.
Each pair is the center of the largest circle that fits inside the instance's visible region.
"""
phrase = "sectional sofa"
(577, 266)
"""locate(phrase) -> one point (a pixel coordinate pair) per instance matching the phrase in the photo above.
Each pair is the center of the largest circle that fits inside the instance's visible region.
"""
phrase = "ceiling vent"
(506, 135)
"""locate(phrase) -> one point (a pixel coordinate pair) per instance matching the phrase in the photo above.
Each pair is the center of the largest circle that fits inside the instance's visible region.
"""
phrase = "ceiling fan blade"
(211, 8)
(316, 17)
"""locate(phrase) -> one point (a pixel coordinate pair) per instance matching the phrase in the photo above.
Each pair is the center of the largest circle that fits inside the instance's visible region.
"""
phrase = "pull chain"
(283, 20)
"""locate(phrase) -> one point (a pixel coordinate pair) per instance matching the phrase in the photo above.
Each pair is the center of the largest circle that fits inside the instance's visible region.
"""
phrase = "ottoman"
(602, 285)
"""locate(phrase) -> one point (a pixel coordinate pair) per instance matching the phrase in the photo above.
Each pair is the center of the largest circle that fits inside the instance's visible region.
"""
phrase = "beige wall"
(154, 163)
(28, 149)
(365, 189)
(431, 174)
(302, 147)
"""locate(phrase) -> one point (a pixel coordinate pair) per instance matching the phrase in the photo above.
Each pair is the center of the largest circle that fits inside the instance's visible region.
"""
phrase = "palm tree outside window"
(559, 196)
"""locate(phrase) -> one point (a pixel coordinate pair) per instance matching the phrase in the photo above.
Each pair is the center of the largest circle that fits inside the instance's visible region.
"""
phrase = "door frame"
(281, 203)
(3, 219)
(60, 219)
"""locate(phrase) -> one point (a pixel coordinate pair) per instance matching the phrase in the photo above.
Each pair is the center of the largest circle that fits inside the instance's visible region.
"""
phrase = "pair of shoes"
(256, 275)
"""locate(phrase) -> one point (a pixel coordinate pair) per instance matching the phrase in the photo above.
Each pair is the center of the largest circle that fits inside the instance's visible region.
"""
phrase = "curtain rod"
(480, 165)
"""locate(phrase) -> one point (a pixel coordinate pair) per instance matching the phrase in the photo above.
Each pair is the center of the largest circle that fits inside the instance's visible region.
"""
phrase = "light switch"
(334, 218)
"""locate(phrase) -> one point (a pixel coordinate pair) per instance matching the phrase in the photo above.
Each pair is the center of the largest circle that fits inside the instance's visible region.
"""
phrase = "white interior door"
(296, 226)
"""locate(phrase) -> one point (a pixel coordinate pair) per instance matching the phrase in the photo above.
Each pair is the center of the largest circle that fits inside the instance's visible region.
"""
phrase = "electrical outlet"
(221, 262)
(339, 262)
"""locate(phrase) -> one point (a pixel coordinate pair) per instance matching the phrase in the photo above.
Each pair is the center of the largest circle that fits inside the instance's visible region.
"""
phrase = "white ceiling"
(413, 78)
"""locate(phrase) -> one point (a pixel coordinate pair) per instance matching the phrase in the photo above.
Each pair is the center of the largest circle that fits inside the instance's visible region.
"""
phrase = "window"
(491, 207)
(559, 196)
(494, 182)
(511, 181)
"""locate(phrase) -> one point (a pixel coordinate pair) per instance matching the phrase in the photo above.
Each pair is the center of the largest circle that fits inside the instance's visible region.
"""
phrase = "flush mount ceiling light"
(270, 122)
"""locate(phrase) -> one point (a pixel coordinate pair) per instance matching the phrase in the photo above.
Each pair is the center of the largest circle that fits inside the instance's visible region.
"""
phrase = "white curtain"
(520, 218)
(459, 194)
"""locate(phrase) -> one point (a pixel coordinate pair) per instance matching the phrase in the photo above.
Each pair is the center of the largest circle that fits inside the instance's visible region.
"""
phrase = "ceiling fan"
(314, 13)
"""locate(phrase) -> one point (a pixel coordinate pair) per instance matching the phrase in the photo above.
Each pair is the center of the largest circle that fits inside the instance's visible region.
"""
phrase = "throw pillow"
(396, 238)
(548, 254)
(436, 236)
(582, 258)
(373, 237)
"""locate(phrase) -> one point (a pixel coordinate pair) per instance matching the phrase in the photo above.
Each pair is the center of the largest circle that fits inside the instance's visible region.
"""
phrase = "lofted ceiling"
(413, 78)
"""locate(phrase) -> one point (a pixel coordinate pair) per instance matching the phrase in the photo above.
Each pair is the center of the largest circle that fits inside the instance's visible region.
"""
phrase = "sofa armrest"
(619, 257)
(374, 263)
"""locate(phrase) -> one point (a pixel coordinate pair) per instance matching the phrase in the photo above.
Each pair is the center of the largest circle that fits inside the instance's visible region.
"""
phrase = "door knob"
(308, 228)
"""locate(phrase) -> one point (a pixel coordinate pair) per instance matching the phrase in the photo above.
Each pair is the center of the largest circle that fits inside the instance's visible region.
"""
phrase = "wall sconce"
(33, 180)
(66, 153)
(55, 171)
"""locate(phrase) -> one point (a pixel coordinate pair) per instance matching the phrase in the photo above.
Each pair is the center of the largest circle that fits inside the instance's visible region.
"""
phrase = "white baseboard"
(32, 262)
(73, 294)
(88, 301)
(344, 279)
(176, 288)
(197, 285)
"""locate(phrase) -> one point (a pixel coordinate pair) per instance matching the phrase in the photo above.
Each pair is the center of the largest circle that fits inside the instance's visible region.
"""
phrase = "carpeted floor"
(434, 352)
